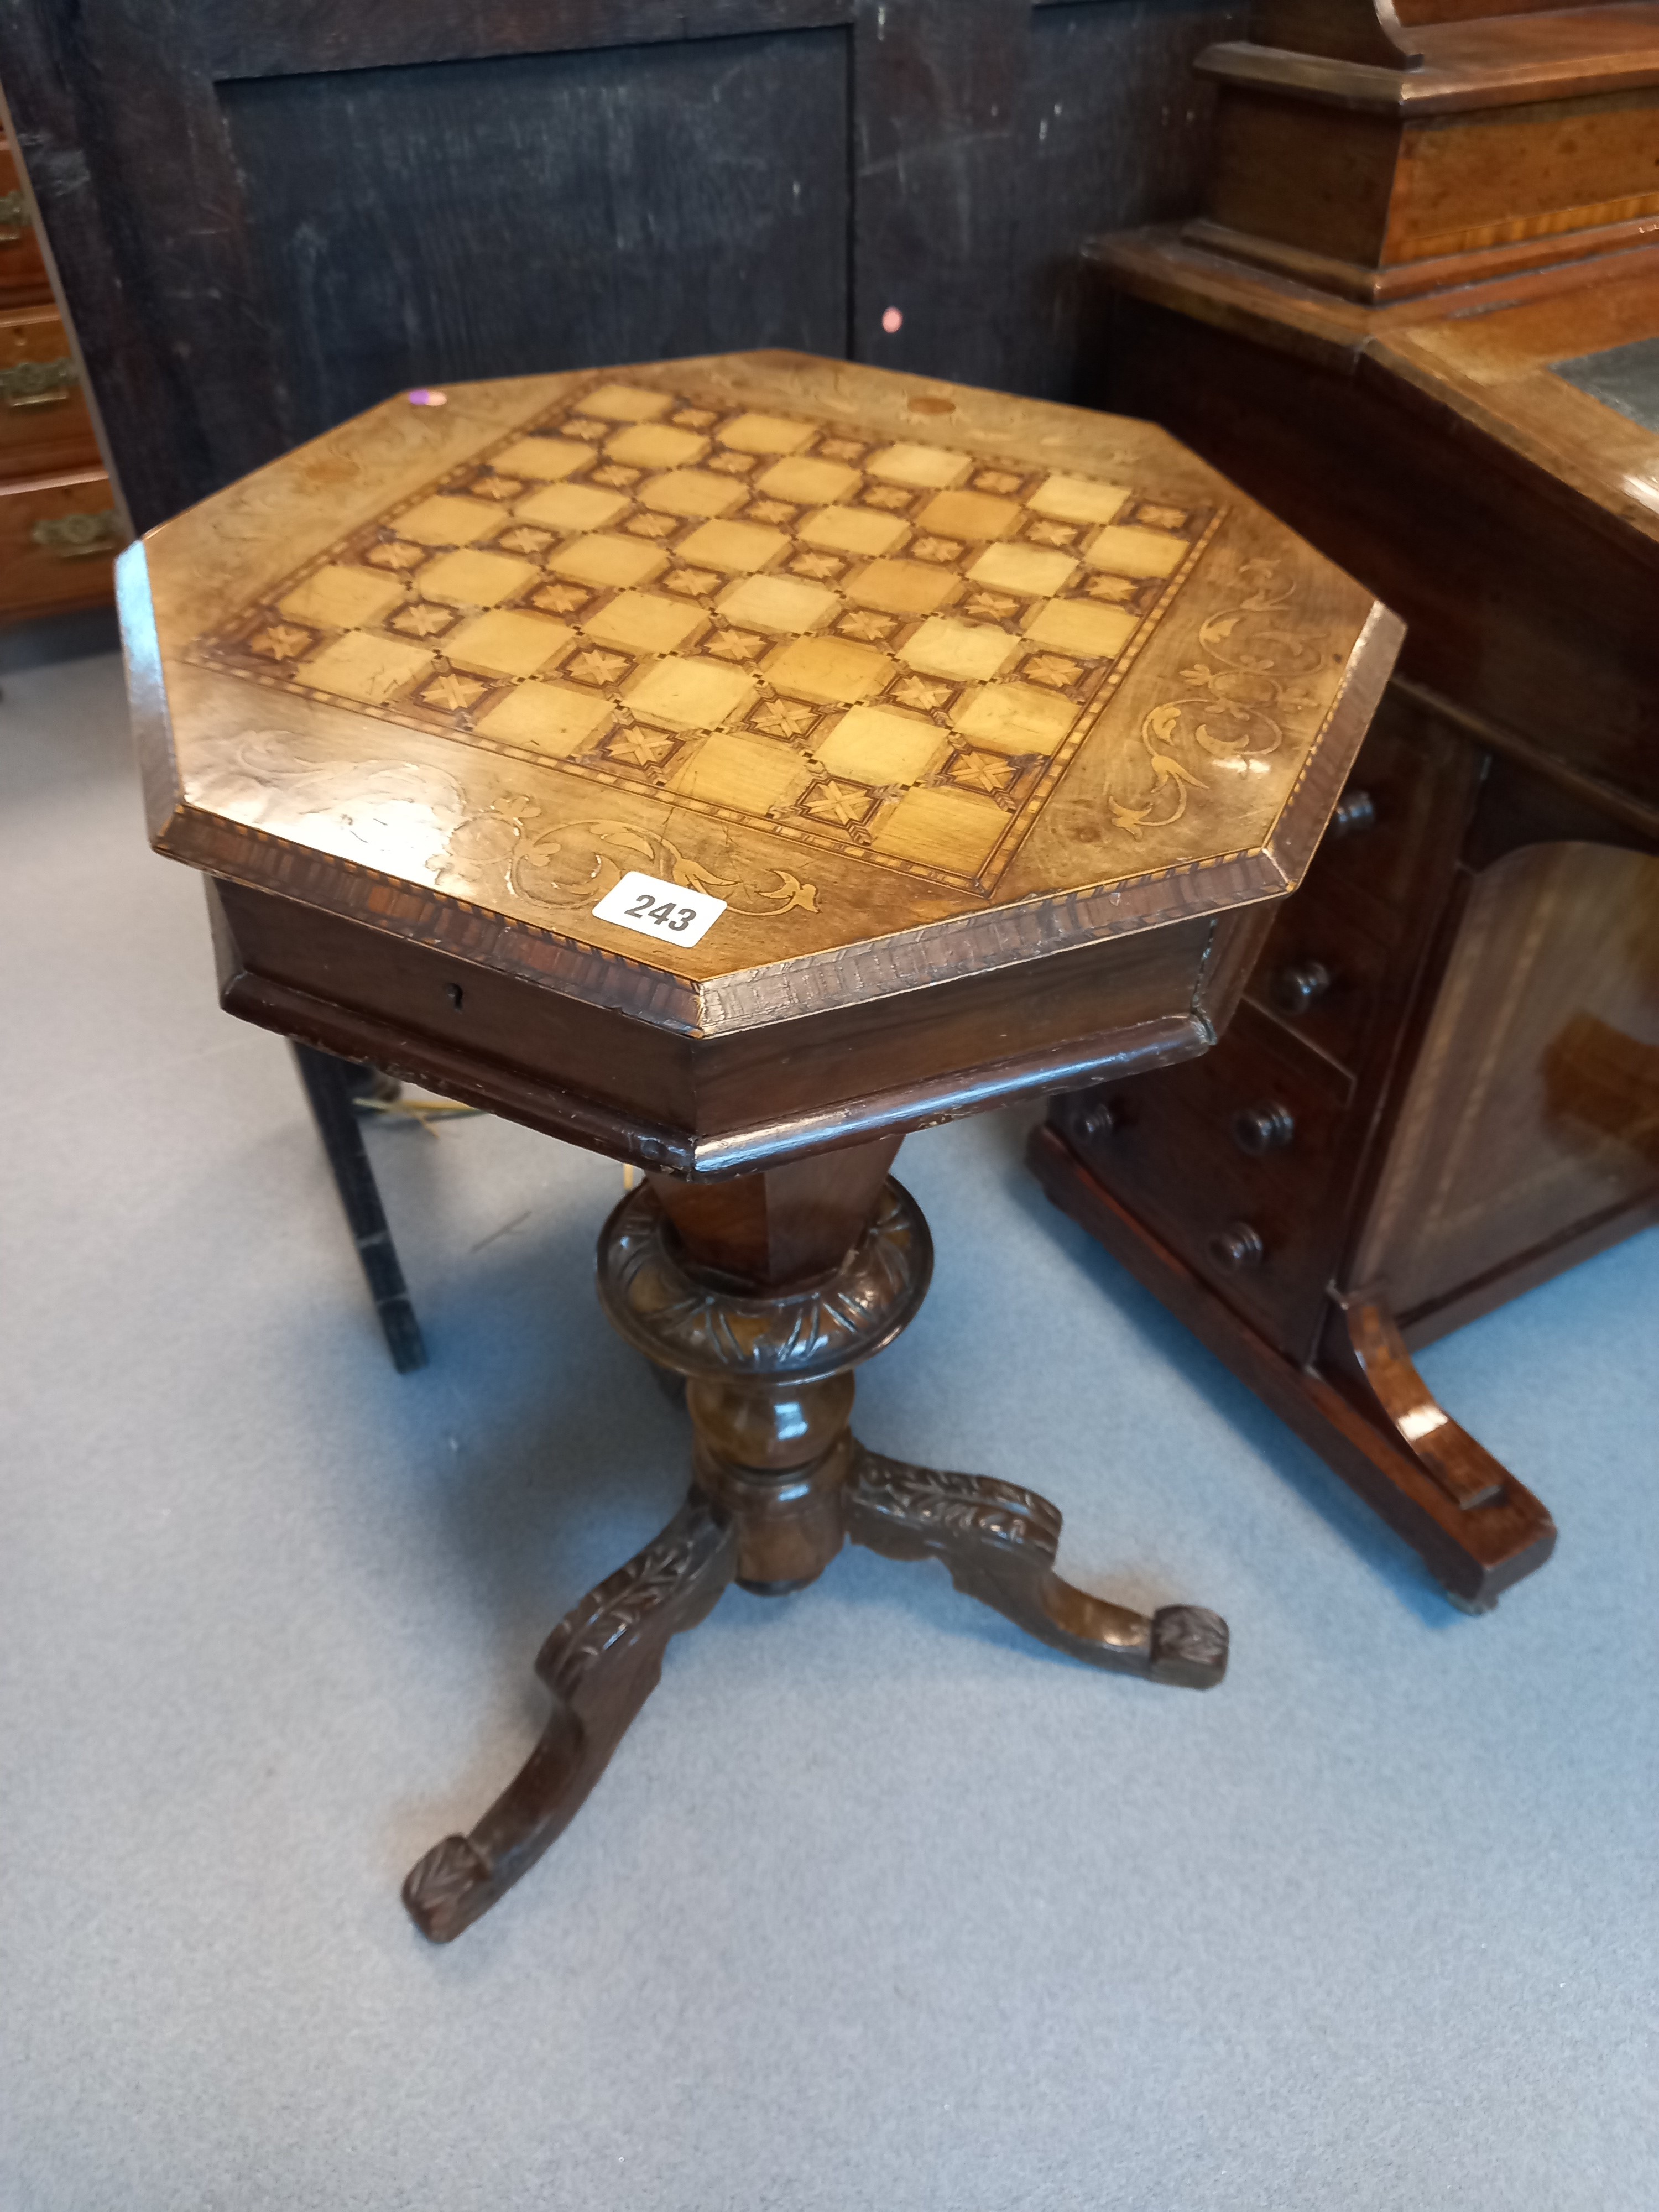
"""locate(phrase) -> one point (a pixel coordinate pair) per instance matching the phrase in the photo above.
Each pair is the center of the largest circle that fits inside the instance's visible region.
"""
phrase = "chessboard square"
(807, 481)
(445, 520)
(832, 671)
(507, 643)
(877, 747)
(693, 491)
(656, 445)
(971, 514)
(626, 403)
(1028, 569)
(778, 602)
(853, 530)
(1077, 499)
(567, 506)
(336, 598)
(642, 621)
(689, 695)
(930, 468)
(902, 587)
(744, 546)
(766, 433)
(953, 830)
(1013, 718)
(547, 718)
(604, 559)
(1081, 626)
(547, 460)
(969, 652)
(1129, 550)
(732, 769)
(359, 666)
(476, 580)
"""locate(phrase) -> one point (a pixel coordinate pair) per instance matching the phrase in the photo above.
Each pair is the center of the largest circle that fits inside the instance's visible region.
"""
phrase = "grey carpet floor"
(880, 1908)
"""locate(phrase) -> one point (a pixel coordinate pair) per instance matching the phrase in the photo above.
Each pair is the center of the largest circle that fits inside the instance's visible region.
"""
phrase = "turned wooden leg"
(999, 1544)
(601, 1663)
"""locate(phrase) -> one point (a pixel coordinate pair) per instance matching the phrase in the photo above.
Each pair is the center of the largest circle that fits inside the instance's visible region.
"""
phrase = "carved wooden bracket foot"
(999, 1544)
(1361, 1404)
(601, 1662)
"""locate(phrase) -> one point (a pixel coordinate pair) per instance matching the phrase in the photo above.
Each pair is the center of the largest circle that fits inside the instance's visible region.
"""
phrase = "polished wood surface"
(1382, 154)
(995, 731)
(1439, 1088)
(925, 684)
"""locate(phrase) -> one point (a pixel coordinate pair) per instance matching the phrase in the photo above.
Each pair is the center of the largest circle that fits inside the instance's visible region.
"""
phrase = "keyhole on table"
(456, 995)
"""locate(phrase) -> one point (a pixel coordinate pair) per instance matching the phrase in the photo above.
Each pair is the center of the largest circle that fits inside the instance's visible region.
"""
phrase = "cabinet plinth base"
(1367, 1413)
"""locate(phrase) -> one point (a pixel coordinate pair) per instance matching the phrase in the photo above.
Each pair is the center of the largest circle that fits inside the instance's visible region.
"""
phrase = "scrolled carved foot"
(601, 1662)
(1000, 1543)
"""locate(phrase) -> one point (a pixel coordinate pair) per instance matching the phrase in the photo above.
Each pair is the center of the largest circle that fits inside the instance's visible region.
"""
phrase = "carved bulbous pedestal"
(778, 1481)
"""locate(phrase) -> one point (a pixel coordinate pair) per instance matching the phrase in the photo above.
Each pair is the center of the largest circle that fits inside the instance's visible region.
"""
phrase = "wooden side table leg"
(329, 1093)
(601, 1662)
(999, 1544)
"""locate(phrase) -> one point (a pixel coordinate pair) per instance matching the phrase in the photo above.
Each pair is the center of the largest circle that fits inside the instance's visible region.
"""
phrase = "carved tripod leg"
(999, 1544)
(601, 1662)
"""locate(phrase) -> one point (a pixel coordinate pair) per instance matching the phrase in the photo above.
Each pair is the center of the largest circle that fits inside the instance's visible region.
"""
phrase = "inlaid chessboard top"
(852, 653)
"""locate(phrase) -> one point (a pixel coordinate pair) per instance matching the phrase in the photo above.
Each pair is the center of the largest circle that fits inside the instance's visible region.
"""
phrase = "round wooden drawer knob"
(1301, 985)
(1356, 811)
(1238, 1246)
(1261, 1129)
(1102, 1117)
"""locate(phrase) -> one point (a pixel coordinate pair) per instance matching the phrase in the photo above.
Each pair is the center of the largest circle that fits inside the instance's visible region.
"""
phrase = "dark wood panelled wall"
(267, 219)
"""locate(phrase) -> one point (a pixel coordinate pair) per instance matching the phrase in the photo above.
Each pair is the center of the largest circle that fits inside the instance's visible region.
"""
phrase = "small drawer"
(44, 427)
(1399, 821)
(1321, 976)
(58, 540)
(1236, 1168)
(24, 278)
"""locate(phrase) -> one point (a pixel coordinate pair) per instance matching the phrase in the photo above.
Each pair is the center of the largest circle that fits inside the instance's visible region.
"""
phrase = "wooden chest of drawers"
(23, 278)
(1282, 1112)
(61, 524)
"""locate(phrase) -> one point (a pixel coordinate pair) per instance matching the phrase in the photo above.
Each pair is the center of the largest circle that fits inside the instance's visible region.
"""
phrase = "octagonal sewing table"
(730, 764)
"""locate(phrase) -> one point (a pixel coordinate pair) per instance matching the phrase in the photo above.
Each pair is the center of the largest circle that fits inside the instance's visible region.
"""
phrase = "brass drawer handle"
(15, 218)
(73, 536)
(1299, 985)
(38, 383)
(1258, 1129)
(1238, 1246)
